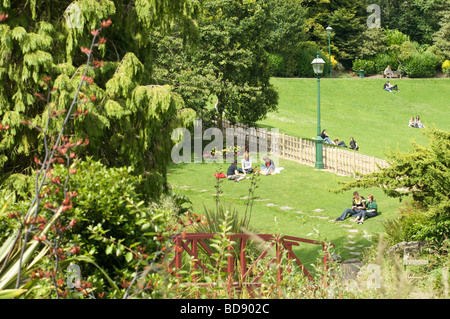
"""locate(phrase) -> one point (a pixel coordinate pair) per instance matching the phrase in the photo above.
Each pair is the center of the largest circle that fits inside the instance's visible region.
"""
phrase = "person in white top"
(246, 164)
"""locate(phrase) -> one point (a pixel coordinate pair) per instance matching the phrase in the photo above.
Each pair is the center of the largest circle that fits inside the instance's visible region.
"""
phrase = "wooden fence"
(340, 160)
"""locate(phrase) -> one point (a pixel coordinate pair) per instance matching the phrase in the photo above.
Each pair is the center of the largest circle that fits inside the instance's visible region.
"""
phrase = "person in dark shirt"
(353, 144)
(233, 174)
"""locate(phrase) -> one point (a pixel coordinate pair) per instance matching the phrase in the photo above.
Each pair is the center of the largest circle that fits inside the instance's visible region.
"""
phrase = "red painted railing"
(191, 242)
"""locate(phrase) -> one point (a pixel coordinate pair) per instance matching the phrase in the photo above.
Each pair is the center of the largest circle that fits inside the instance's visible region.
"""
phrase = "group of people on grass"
(415, 122)
(239, 173)
(361, 209)
(326, 138)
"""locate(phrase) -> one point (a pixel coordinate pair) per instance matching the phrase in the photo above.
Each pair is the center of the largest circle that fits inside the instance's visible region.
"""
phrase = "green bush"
(395, 37)
(368, 66)
(304, 59)
(277, 65)
(420, 65)
(108, 222)
(382, 60)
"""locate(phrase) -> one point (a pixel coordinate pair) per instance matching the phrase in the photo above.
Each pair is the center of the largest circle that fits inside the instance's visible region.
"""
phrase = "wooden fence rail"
(340, 160)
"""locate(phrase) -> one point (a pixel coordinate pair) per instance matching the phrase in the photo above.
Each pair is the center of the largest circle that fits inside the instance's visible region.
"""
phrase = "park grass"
(377, 119)
(302, 188)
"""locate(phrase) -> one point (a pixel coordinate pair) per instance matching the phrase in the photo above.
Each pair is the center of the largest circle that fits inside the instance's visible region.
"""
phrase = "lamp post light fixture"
(329, 29)
(318, 65)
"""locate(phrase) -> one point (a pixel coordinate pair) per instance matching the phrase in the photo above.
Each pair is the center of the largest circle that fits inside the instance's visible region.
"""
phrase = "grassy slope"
(350, 107)
(361, 108)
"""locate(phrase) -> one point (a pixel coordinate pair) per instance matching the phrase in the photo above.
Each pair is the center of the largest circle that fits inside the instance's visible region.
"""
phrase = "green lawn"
(302, 188)
(361, 108)
(350, 107)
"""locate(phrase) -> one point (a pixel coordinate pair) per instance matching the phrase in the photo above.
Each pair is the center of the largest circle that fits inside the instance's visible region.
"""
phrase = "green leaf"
(129, 256)
(109, 249)
(11, 293)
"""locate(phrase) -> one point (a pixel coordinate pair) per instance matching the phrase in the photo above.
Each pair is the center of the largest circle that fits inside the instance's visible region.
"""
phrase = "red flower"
(73, 222)
(3, 16)
(86, 50)
(106, 24)
(95, 32)
(102, 40)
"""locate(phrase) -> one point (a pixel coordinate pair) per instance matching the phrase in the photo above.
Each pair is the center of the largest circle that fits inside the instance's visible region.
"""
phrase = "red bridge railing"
(190, 243)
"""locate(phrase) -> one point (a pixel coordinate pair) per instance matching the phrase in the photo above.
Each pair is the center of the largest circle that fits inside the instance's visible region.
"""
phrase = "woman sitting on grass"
(269, 167)
(371, 210)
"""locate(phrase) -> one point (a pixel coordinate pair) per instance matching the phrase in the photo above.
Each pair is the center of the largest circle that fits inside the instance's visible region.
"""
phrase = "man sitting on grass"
(233, 174)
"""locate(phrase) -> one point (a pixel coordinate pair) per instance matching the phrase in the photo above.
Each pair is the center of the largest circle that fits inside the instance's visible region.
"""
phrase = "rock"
(411, 248)
(336, 257)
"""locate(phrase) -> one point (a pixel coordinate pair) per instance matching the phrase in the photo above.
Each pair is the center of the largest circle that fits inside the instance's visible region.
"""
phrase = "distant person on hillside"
(246, 164)
(412, 122)
(417, 122)
(353, 144)
(371, 210)
(233, 173)
(358, 205)
(325, 137)
(388, 72)
(341, 143)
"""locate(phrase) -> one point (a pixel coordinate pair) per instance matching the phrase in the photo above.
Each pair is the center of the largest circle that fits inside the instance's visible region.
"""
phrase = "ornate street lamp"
(329, 29)
(318, 65)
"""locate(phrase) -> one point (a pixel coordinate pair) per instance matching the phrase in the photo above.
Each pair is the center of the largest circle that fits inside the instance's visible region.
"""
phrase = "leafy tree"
(286, 26)
(229, 63)
(442, 37)
(128, 118)
(373, 42)
(348, 24)
(417, 18)
(232, 33)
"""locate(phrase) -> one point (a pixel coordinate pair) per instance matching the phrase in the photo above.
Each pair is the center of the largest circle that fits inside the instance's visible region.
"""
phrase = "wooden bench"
(395, 74)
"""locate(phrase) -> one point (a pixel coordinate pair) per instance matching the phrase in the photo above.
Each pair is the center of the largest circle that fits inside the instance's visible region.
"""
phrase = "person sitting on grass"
(246, 164)
(341, 143)
(358, 206)
(233, 173)
(388, 72)
(325, 137)
(417, 122)
(389, 87)
(371, 211)
(412, 122)
(353, 144)
(269, 167)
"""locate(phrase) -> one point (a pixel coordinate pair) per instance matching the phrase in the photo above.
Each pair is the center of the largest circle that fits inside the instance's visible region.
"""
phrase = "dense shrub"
(421, 65)
(304, 59)
(277, 65)
(368, 66)
(109, 223)
(383, 60)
